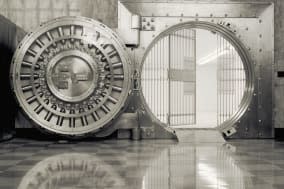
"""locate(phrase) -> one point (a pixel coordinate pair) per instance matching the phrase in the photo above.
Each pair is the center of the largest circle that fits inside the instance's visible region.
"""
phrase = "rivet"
(247, 28)
(180, 20)
(212, 20)
(260, 35)
(260, 50)
(196, 14)
(259, 21)
(226, 15)
(181, 15)
(211, 15)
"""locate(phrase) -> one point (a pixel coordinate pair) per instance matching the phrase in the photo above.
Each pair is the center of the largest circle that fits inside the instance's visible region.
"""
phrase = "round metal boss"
(71, 75)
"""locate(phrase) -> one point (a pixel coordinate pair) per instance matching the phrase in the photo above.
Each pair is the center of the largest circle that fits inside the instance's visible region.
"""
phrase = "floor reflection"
(141, 165)
(186, 166)
(71, 170)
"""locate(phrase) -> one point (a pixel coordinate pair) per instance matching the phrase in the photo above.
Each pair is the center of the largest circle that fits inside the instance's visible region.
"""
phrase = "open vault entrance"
(197, 75)
(220, 79)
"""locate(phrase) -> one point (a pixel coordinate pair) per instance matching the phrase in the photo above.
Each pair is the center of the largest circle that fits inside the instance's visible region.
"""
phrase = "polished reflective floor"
(237, 164)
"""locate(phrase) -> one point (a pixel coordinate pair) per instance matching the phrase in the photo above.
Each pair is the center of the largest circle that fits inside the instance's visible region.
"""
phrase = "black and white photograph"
(142, 94)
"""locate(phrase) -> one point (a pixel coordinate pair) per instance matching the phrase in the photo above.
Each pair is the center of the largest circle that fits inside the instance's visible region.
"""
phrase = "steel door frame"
(252, 23)
(227, 127)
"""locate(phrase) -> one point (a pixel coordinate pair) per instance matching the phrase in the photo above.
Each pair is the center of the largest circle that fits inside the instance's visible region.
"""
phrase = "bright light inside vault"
(193, 78)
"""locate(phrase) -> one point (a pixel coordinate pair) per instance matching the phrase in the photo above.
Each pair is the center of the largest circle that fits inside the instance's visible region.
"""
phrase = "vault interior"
(193, 78)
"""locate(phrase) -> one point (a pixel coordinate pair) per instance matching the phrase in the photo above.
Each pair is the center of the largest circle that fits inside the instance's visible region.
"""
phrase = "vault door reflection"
(193, 78)
(71, 170)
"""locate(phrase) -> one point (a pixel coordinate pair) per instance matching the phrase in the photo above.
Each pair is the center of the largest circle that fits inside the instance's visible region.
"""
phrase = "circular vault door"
(71, 75)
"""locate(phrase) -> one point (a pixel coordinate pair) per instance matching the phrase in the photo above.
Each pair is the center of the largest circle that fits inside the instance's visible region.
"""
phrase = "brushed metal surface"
(250, 23)
(71, 76)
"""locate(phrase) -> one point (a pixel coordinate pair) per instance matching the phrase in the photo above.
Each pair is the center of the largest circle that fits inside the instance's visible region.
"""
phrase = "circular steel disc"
(71, 75)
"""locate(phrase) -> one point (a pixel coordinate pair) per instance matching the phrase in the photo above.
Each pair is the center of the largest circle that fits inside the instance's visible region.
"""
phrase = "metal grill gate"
(168, 78)
(230, 80)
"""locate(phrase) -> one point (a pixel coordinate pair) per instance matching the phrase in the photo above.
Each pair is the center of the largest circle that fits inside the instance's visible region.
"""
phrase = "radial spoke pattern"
(74, 75)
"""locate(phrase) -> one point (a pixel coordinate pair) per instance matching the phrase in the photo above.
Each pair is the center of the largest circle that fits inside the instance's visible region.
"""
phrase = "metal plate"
(71, 75)
(252, 23)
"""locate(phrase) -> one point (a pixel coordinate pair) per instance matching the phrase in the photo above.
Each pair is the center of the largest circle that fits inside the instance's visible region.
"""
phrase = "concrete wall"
(279, 64)
(30, 13)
